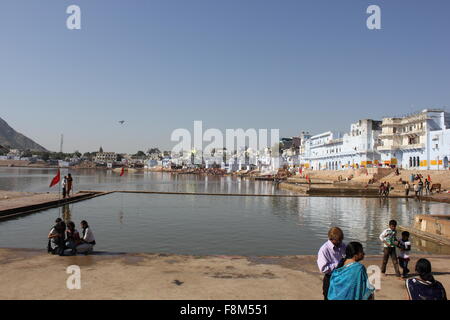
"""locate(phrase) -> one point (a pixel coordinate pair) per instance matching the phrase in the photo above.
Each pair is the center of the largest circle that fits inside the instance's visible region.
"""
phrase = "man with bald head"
(329, 256)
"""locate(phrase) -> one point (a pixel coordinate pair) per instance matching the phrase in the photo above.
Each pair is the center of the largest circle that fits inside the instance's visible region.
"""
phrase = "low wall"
(434, 224)
(294, 187)
(343, 191)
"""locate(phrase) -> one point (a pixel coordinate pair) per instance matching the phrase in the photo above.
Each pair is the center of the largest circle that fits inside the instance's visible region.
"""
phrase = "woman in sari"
(349, 281)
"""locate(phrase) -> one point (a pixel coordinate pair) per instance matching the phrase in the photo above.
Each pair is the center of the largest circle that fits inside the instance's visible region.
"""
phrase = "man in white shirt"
(87, 239)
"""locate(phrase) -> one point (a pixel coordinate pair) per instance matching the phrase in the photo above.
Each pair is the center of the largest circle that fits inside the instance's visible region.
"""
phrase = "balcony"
(412, 146)
(387, 148)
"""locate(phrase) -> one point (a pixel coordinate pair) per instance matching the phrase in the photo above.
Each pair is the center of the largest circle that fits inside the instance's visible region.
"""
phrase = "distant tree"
(27, 153)
(153, 151)
(140, 154)
(87, 155)
(77, 154)
(101, 149)
(59, 156)
(45, 156)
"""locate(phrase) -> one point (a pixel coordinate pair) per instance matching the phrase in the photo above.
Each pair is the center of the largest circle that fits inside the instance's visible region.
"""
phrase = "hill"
(15, 140)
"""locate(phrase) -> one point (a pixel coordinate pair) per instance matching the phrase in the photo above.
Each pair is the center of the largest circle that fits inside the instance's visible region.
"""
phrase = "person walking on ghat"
(427, 186)
(69, 184)
(329, 256)
(407, 188)
(387, 189)
(381, 189)
(420, 187)
(389, 239)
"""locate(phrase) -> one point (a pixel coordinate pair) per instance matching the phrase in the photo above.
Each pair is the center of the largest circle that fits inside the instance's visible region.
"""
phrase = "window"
(413, 140)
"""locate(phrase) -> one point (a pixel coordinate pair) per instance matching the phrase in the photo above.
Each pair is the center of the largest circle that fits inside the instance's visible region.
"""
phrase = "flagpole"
(59, 184)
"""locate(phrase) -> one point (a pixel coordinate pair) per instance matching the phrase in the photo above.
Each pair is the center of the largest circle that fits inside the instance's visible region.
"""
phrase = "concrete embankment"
(33, 274)
(333, 190)
(13, 204)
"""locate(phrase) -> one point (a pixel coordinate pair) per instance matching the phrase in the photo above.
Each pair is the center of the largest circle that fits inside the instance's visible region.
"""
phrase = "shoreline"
(34, 274)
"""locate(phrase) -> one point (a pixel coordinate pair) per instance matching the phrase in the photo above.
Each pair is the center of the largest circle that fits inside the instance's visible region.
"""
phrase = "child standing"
(403, 257)
(389, 239)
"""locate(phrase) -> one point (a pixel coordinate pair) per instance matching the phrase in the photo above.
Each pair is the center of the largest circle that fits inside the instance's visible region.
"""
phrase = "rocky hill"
(15, 140)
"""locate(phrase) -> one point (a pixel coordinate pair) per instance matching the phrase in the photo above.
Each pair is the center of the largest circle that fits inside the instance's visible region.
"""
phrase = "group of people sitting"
(345, 277)
(66, 240)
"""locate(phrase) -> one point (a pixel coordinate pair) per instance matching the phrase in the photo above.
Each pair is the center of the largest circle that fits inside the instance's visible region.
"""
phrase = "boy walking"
(389, 239)
(403, 258)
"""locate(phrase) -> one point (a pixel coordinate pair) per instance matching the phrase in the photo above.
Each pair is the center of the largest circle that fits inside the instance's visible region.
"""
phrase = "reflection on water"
(187, 224)
(66, 215)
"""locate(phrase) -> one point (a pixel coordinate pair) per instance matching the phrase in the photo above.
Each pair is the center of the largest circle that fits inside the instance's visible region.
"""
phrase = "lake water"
(38, 180)
(186, 224)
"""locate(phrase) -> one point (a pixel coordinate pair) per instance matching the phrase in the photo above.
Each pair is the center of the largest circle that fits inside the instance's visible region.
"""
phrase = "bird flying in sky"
(122, 121)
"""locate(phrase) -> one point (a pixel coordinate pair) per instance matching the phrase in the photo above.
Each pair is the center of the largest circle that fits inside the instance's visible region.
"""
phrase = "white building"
(336, 151)
(105, 157)
(419, 141)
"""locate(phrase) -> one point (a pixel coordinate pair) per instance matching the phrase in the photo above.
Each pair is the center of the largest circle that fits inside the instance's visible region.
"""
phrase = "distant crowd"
(418, 183)
(345, 277)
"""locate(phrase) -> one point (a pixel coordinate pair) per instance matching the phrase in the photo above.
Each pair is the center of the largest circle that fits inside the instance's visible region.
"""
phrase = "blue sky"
(161, 64)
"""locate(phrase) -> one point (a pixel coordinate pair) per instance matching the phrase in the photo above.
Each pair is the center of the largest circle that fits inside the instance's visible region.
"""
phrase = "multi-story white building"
(420, 141)
(336, 151)
(320, 151)
(105, 157)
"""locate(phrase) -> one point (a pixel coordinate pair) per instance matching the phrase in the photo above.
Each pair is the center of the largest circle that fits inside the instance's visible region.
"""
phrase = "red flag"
(56, 179)
(122, 172)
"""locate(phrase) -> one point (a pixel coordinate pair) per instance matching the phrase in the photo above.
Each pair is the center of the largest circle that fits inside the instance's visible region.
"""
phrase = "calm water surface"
(37, 180)
(207, 224)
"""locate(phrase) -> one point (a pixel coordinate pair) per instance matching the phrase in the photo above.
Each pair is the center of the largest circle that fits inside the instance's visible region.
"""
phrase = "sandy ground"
(33, 274)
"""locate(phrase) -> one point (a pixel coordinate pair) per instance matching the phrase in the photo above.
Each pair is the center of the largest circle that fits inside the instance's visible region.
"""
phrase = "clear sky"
(161, 64)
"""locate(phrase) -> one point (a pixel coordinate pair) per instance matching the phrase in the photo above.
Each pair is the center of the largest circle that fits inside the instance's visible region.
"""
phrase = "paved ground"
(33, 274)
(10, 199)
